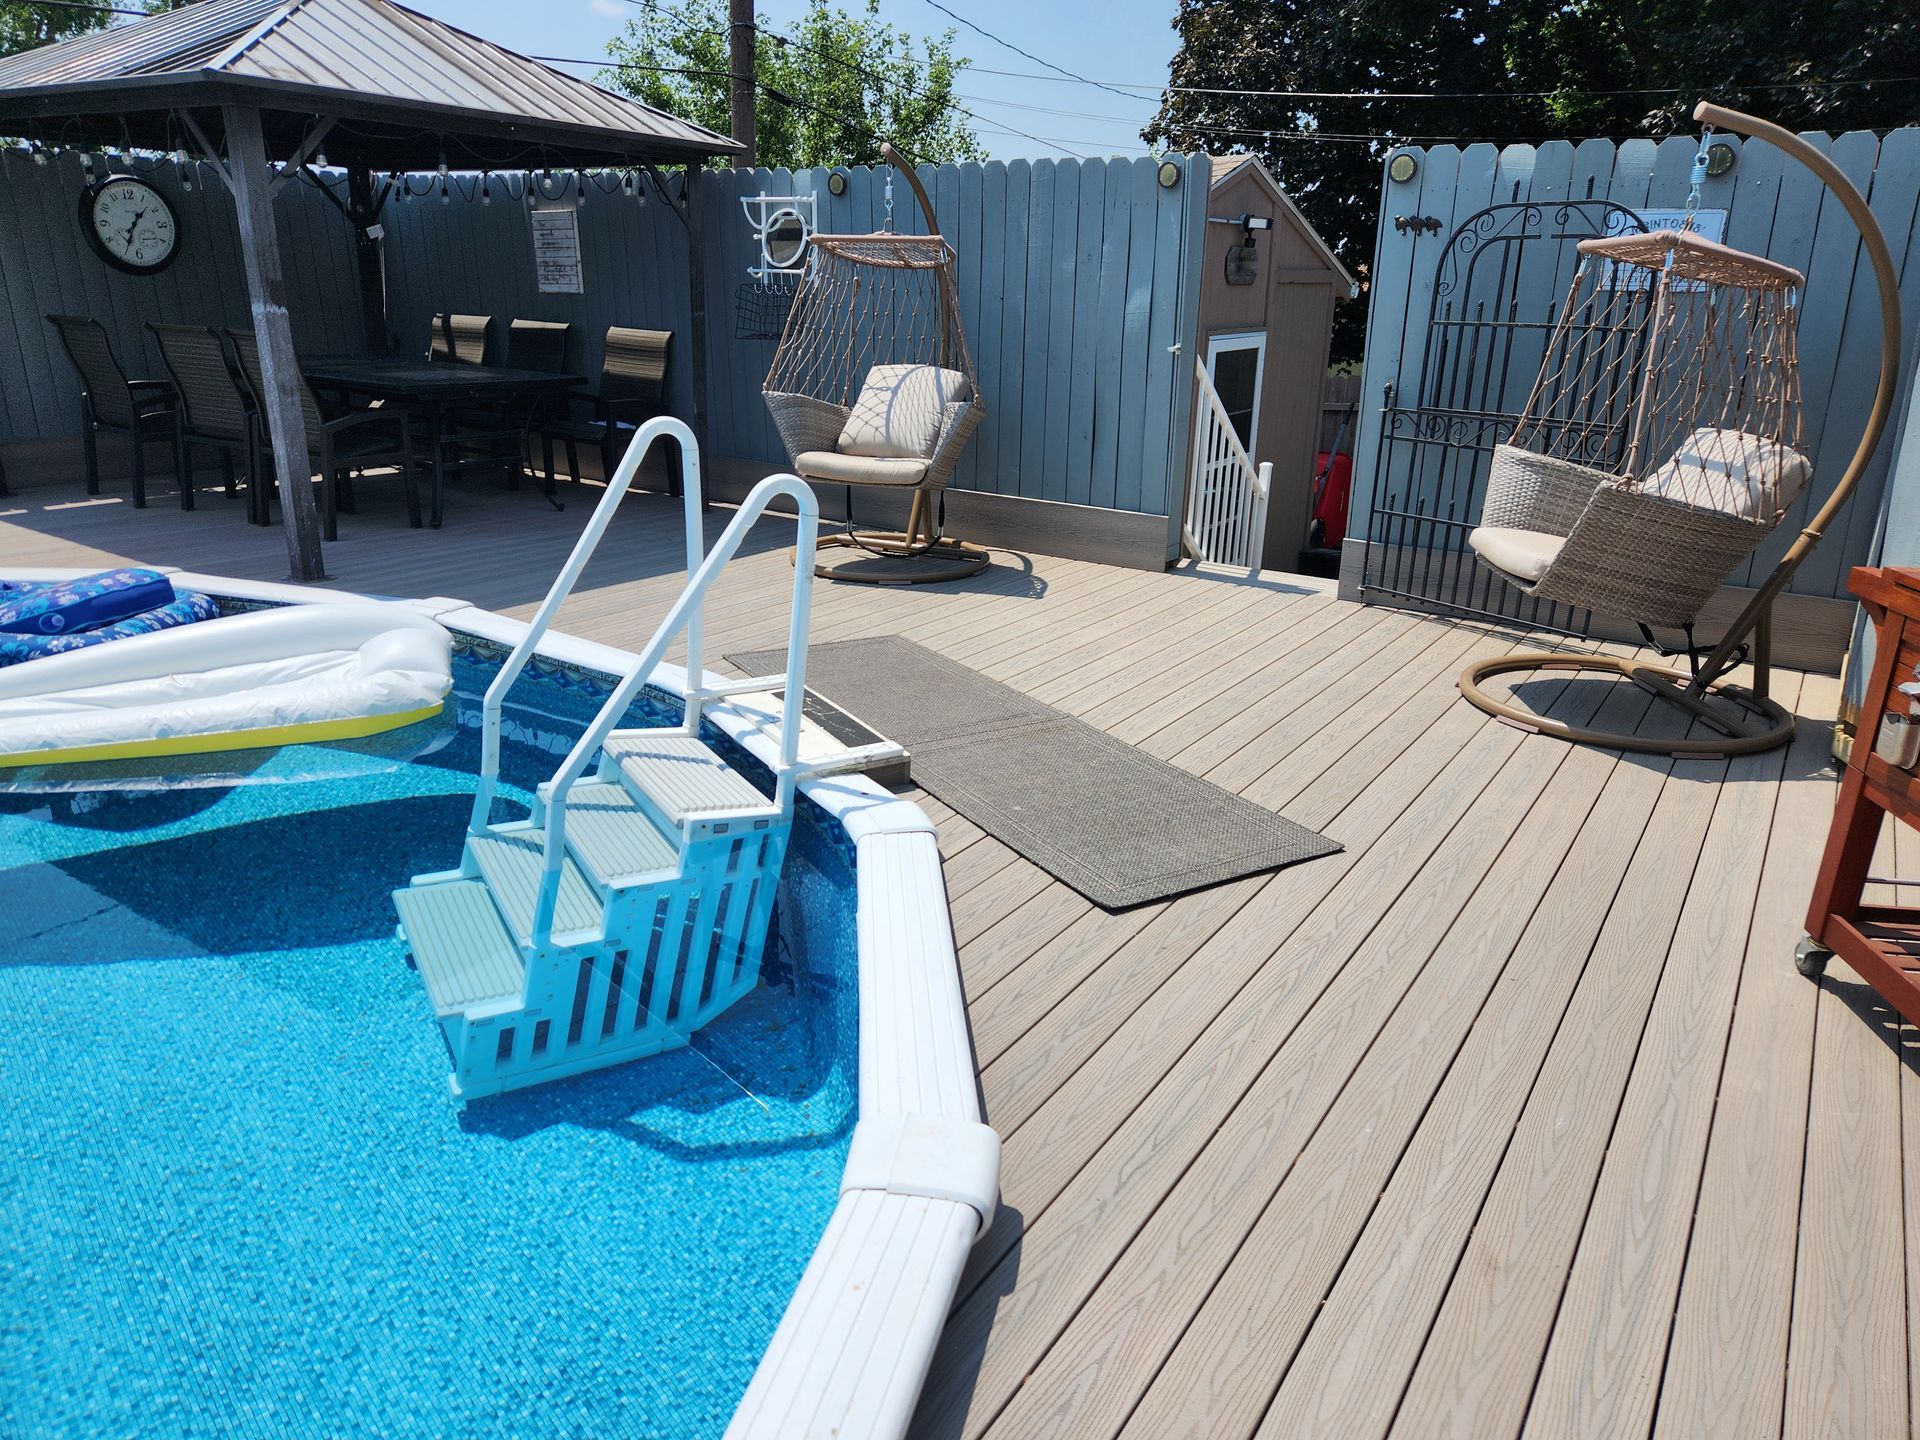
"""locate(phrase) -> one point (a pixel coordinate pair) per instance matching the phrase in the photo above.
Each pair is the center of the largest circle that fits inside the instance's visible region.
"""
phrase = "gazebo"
(257, 88)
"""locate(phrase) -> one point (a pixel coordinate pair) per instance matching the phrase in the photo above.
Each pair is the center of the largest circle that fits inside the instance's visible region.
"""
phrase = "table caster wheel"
(1810, 958)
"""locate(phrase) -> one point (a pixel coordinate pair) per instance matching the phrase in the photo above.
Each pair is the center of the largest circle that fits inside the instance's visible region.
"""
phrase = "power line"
(1009, 45)
(879, 81)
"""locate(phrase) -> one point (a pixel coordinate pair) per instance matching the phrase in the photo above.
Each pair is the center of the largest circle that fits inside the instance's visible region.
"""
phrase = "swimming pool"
(238, 1197)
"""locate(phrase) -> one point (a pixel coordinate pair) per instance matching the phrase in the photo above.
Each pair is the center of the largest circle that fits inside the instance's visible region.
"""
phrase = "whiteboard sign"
(556, 251)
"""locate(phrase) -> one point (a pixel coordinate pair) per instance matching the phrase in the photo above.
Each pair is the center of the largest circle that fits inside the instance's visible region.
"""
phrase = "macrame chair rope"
(1662, 441)
(866, 301)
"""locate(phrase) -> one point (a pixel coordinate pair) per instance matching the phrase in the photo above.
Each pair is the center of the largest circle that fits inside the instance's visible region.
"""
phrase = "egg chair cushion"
(899, 411)
(1734, 471)
(837, 469)
(1523, 554)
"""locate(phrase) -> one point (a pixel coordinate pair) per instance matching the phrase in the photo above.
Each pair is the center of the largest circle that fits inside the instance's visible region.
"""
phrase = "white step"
(460, 945)
(511, 861)
(680, 776)
(614, 839)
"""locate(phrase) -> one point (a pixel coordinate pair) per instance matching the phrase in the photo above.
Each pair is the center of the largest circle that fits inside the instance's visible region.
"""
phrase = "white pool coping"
(852, 1351)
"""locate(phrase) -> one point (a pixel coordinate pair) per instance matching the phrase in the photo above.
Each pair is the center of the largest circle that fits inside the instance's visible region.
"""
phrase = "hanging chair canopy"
(1662, 441)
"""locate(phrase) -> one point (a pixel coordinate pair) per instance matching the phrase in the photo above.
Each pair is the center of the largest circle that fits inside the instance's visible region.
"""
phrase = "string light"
(486, 190)
(445, 198)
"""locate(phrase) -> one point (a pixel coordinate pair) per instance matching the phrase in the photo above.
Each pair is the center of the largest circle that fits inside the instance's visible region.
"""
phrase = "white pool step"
(511, 861)
(460, 946)
(616, 842)
(681, 776)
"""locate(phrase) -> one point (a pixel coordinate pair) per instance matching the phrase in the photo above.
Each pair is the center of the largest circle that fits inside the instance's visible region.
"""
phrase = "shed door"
(1234, 364)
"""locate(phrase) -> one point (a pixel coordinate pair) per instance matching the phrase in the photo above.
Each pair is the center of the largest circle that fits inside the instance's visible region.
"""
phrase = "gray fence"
(1074, 287)
(1773, 207)
(1077, 280)
(47, 267)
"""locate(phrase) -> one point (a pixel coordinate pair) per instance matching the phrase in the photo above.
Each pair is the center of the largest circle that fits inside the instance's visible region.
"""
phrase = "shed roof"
(405, 87)
(1226, 166)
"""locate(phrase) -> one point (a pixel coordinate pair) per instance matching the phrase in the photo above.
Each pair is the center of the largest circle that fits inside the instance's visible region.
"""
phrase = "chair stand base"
(890, 558)
(1747, 726)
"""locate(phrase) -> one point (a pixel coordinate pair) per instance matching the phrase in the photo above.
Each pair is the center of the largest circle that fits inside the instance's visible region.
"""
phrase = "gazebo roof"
(405, 89)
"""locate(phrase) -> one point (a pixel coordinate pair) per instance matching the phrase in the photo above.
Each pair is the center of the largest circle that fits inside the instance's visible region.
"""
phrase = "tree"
(1523, 70)
(25, 25)
(828, 95)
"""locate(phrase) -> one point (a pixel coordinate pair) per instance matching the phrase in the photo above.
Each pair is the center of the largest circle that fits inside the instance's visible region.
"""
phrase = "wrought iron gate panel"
(1487, 329)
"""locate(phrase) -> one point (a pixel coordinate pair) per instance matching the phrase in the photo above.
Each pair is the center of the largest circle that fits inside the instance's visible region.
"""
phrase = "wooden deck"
(1512, 1119)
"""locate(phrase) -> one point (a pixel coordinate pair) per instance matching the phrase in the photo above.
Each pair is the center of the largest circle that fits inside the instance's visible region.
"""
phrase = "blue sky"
(1124, 41)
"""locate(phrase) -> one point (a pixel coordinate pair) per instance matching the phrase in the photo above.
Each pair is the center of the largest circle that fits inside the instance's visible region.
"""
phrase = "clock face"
(130, 224)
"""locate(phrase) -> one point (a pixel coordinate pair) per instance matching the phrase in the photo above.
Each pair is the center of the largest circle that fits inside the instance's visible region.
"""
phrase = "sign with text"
(556, 251)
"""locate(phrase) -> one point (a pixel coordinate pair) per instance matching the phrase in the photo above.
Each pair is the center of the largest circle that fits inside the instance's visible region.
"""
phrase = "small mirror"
(786, 239)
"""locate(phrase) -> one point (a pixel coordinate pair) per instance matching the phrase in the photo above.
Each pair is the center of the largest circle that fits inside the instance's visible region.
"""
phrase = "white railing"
(685, 615)
(569, 575)
(1226, 519)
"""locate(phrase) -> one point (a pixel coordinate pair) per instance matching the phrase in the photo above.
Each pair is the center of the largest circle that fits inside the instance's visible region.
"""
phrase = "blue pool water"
(236, 1197)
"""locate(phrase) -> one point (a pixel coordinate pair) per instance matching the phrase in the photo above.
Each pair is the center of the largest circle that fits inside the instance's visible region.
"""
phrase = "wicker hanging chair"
(872, 385)
(1662, 442)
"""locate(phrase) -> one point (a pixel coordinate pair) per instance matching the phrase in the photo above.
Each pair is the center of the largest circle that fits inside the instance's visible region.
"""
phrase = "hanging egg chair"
(873, 386)
(1661, 444)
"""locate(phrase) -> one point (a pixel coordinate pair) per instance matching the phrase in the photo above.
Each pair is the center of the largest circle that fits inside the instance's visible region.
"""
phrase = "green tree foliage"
(25, 25)
(1554, 69)
(829, 96)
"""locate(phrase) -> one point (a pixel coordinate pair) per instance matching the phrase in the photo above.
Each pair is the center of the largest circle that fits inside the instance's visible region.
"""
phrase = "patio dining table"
(433, 391)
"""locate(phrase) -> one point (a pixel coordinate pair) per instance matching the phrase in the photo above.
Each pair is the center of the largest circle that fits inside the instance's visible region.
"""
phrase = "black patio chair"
(215, 409)
(140, 409)
(461, 337)
(633, 389)
(355, 441)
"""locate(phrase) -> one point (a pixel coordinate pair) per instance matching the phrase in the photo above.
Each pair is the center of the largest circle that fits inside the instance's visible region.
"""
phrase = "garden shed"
(1269, 284)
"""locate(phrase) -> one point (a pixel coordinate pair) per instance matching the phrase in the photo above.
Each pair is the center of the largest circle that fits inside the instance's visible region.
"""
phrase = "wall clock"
(130, 224)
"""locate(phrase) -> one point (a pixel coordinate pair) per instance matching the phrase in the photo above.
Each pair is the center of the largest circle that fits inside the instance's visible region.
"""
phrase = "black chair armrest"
(166, 385)
(354, 419)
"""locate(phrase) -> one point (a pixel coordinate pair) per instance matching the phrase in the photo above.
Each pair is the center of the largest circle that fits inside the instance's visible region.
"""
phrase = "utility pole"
(741, 38)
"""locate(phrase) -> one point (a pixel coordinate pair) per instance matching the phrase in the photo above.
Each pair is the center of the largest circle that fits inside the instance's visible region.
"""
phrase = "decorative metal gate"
(1496, 291)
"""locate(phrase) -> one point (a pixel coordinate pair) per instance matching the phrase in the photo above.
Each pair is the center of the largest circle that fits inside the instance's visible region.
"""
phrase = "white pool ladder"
(627, 910)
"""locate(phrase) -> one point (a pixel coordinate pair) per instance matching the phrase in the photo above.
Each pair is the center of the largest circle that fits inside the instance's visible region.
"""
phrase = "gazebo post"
(249, 177)
(697, 285)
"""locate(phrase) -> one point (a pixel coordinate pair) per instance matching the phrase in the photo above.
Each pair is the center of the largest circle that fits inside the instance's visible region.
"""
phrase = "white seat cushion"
(830, 465)
(1523, 554)
(1731, 470)
(899, 410)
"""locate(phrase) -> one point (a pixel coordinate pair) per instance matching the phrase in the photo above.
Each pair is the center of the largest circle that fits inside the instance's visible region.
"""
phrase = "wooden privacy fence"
(46, 267)
(1433, 399)
(1075, 284)
(1079, 291)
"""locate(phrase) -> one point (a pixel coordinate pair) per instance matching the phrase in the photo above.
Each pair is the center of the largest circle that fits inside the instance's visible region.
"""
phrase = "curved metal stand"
(918, 555)
(1753, 622)
(1763, 725)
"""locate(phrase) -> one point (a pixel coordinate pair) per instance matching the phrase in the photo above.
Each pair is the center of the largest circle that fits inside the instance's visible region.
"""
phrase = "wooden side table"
(1881, 942)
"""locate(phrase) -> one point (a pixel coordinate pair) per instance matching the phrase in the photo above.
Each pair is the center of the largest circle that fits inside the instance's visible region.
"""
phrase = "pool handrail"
(583, 548)
(551, 806)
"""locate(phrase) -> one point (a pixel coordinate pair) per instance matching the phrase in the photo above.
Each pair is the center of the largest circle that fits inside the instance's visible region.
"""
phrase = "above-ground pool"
(238, 1197)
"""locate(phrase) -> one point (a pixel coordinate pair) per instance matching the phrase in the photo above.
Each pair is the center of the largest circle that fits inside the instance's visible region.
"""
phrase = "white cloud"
(612, 9)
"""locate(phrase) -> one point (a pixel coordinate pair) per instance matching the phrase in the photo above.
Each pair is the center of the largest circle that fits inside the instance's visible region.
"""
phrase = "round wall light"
(1402, 168)
(1169, 174)
(1719, 158)
(837, 183)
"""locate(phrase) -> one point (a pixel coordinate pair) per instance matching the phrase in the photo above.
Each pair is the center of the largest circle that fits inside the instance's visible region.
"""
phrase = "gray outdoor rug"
(1119, 826)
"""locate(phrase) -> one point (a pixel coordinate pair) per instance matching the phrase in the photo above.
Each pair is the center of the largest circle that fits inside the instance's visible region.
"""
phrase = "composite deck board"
(1512, 1116)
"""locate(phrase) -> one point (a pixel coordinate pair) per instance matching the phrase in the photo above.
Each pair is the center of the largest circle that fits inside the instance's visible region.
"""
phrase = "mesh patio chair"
(355, 441)
(633, 390)
(142, 410)
(461, 337)
(215, 410)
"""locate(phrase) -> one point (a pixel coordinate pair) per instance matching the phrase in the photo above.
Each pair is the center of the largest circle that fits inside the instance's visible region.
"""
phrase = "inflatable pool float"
(299, 674)
(41, 618)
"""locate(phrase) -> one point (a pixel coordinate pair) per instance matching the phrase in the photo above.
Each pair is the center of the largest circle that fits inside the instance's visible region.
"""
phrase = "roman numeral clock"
(130, 224)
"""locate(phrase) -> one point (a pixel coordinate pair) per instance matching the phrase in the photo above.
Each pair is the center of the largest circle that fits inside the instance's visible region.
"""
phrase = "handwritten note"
(556, 251)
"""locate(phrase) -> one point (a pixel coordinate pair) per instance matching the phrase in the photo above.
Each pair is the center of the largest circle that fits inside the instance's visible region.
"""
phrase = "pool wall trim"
(852, 1351)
